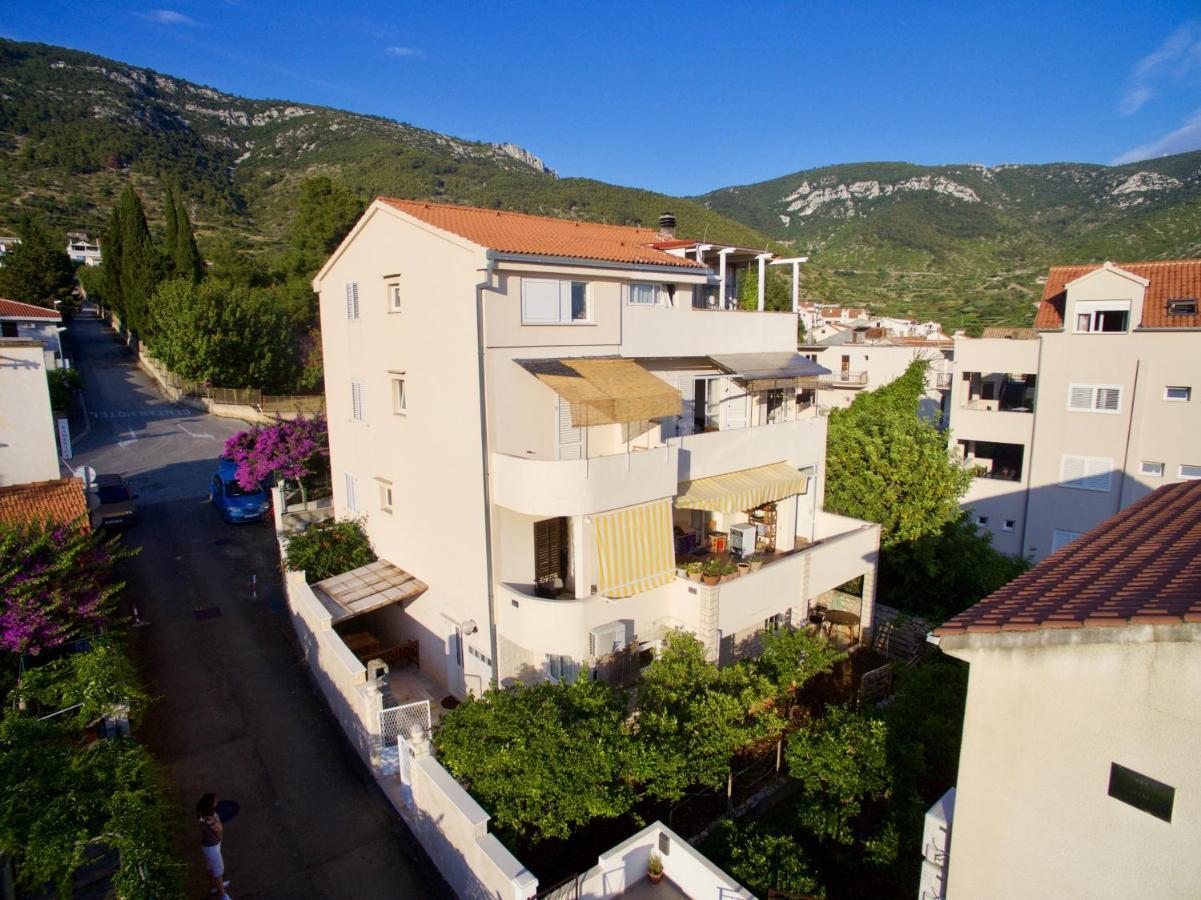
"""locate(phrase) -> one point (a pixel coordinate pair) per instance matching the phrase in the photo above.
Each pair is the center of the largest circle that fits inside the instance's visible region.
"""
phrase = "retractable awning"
(635, 550)
(739, 491)
(366, 589)
(756, 368)
(605, 391)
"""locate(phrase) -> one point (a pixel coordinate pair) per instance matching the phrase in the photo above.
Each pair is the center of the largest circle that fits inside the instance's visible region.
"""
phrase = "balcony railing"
(844, 379)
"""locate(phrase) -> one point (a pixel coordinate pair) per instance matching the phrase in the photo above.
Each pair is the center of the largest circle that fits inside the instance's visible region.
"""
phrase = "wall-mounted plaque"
(1141, 791)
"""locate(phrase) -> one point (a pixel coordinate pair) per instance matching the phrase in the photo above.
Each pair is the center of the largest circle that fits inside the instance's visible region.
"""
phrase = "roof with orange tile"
(1140, 567)
(511, 232)
(18, 310)
(1172, 279)
(60, 501)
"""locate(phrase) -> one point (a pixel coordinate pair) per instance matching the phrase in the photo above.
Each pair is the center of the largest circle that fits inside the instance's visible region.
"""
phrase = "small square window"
(1178, 392)
(394, 297)
(982, 521)
(399, 401)
(1190, 473)
(1186, 306)
(1010, 525)
(385, 497)
(1154, 469)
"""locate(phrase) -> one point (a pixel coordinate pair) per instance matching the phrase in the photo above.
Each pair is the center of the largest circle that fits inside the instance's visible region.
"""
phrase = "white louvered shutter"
(1080, 396)
(1108, 398)
(352, 300)
(1089, 473)
(571, 437)
(352, 493)
(357, 411)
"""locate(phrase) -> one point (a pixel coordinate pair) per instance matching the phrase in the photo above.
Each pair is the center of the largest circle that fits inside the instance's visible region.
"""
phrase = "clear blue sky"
(686, 97)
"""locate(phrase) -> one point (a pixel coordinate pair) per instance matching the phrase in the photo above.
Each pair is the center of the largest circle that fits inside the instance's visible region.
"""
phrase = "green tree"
(885, 464)
(325, 212)
(841, 764)
(777, 294)
(63, 384)
(37, 271)
(692, 717)
(763, 859)
(180, 242)
(137, 266)
(791, 657)
(542, 759)
(942, 573)
(329, 548)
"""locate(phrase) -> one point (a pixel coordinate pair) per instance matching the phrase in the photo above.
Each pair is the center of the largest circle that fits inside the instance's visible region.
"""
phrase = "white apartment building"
(863, 357)
(1098, 406)
(537, 419)
(1078, 771)
(83, 250)
(25, 320)
(28, 451)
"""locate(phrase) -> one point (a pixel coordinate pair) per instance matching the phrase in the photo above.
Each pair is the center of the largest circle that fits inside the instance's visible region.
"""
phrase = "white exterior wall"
(1042, 726)
(44, 331)
(884, 364)
(28, 451)
(432, 454)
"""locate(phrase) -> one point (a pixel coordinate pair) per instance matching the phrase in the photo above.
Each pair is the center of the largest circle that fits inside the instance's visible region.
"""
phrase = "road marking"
(184, 429)
(133, 438)
(158, 413)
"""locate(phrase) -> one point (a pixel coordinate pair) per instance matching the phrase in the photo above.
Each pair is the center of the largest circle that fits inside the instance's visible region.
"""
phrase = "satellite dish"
(87, 475)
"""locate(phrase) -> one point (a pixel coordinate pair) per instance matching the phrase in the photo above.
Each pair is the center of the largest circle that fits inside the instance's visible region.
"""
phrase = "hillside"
(969, 244)
(75, 126)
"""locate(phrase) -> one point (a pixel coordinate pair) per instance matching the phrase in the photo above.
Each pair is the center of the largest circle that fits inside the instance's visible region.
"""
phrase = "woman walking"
(210, 843)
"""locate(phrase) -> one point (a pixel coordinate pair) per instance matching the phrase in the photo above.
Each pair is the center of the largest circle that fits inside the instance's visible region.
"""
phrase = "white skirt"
(212, 859)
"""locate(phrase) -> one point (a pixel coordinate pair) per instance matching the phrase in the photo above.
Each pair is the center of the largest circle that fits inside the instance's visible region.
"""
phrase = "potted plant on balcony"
(712, 571)
(756, 561)
(729, 572)
(695, 570)
(744, 568)
(654, 868)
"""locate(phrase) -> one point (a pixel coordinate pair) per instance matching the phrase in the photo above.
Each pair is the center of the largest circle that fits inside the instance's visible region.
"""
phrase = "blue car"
(235, 502)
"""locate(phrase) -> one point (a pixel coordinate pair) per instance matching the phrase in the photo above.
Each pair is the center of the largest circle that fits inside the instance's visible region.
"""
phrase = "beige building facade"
(28, 451)
(532, 416)
(1100, 408)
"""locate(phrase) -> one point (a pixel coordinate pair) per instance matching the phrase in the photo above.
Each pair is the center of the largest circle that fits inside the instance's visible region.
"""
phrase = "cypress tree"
(184, 253)
(141, 267)
(172, 235)
(110, 268)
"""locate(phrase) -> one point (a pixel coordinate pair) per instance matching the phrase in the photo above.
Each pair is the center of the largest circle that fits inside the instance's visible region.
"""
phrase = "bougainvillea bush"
(293, 449)
(56, 584)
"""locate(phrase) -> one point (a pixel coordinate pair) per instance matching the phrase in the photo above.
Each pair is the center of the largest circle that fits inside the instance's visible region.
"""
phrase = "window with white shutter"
(357, 410)
(547, 302)
(1061, 538)
(352, 300)
(352, 493)
(1086, 473)
(1106, 398)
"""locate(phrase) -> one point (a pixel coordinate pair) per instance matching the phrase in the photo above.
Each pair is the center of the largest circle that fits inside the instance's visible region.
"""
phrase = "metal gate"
(398, 721)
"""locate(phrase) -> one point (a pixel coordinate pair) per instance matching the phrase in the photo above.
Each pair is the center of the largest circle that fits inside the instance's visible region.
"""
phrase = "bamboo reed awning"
(366, 589)
(605, 391)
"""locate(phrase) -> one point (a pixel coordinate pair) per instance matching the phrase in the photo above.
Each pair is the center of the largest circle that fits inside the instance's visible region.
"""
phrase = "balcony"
(942, 380)
(851, 380)
(800, 442)
(581, 487)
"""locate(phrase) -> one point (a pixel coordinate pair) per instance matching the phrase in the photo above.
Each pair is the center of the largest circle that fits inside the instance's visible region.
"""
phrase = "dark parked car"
(112, 502)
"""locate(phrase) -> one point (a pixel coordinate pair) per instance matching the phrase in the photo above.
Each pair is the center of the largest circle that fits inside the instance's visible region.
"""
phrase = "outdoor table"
(844, 618)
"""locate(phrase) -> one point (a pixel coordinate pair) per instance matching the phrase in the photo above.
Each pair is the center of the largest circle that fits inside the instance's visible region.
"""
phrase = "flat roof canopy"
(366, 589)
(769, 366)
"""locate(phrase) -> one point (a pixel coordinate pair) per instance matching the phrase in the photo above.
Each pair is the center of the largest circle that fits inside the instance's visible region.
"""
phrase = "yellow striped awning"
(738, 491)
(634, 549)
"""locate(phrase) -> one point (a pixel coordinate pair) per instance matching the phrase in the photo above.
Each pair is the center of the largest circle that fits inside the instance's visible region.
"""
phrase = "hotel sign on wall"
(1141, 792)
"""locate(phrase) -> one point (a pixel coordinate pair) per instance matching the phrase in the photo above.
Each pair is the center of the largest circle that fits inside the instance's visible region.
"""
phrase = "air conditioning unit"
(742, 539)
(608, 638)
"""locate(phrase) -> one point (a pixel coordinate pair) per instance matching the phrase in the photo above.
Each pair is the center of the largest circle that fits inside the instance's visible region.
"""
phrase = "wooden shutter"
(550, 550)
(352, 299)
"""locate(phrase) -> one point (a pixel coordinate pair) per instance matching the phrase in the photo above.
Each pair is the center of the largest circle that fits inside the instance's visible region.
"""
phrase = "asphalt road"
(236, 712)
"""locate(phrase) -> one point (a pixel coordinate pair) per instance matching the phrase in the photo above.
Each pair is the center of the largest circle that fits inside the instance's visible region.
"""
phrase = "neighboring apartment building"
(1079, 770)
(28, 451)
(25, 320)
(1099, 406)
(538, 418)
(83, 250)
(7, 244)
(864, 357)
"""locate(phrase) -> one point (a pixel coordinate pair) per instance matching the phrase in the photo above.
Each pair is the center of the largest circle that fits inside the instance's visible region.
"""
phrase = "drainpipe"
(1028, 462)
(485, 457)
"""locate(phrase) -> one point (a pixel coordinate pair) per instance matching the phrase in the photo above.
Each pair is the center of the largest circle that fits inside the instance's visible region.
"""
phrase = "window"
(1009, 525)
(982, 521)
(546, 302)
(393, 296)
(1105, 316)
(1178, 393)
(1154, 469)
(642, 295)
(1190, 473)
(773, 623)
(550, 556)
(1185, 306)
(399, 403)
(352, 493)
(1086, 473)
(1106, 398)
(560, 668)
(352, 300)
(1061, 538)
(357, 411)
(385, 497)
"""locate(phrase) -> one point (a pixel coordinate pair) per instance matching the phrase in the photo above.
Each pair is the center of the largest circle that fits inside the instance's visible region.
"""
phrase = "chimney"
(667, 226)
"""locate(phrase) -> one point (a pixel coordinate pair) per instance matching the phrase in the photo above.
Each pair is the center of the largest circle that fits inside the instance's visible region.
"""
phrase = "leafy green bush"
(63, 382)
(763, 860)
(329, 548)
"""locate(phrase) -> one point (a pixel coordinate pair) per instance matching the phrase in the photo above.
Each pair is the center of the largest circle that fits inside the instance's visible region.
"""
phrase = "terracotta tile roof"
(510, 232)
(1142, 566)
(17, 309)
(1173, 279)
(59, 501)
